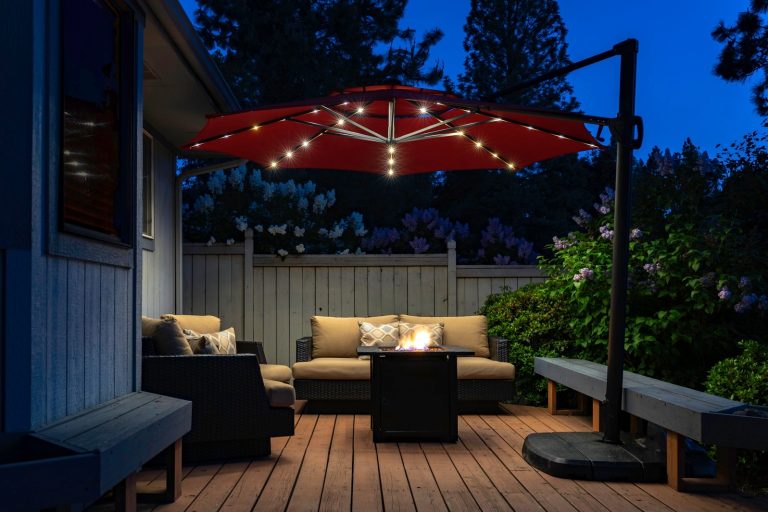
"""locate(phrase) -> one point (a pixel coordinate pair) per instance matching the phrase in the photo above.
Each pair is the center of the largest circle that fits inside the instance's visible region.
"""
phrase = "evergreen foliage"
(280, 50)
(746, 51)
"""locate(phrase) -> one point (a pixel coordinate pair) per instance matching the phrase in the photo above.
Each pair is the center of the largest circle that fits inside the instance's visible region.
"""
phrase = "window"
(96, 140)
(148, 188)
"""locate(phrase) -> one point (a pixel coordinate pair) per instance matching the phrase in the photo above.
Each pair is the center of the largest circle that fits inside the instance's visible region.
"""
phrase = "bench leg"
(676, 478)
(173, 471)
(552, 396)
(125, 494)
(596, 415)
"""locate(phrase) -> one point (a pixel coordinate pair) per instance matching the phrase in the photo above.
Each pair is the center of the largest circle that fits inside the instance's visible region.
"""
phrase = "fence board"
(285, 293)
(374, 291)
(269, 317)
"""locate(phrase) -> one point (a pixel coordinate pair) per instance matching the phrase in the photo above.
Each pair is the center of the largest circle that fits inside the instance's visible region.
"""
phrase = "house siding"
(159, 264)
(70, 329)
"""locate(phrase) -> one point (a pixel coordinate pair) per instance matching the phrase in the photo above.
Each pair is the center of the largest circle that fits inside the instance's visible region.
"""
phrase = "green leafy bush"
(536, 324)
(745, 378)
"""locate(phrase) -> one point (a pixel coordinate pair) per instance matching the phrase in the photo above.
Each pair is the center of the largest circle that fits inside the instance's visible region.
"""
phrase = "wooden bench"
(681, 411)
(124, 434)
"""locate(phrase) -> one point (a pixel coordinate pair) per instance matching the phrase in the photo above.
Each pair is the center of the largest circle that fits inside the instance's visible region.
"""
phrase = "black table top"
(444, 349)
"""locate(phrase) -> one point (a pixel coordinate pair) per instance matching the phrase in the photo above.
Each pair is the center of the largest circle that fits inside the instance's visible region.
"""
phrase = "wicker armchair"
(231, 415)
(470, 390)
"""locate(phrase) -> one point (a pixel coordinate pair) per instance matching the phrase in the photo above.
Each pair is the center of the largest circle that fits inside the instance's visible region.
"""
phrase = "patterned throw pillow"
(223, 342)
(408, 333)
(379, 335)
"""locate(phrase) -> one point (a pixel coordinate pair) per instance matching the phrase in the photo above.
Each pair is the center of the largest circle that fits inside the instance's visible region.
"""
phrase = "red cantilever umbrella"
(393, 129)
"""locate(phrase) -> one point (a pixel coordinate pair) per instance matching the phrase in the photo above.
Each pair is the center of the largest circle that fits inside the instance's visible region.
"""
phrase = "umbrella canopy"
(393, 129)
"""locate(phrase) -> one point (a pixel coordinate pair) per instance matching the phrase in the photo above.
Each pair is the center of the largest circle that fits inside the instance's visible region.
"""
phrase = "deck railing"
(271, 299)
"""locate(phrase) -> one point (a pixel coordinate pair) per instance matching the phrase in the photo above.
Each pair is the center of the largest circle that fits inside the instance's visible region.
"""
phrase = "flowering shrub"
(287, 217)
(423, 230)
(685, 304)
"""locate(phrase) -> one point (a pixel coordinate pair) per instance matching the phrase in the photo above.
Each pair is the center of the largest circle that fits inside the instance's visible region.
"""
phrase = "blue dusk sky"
(678, 94)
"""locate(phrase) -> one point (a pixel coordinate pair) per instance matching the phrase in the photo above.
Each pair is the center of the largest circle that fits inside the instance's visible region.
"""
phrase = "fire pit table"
(414, 393)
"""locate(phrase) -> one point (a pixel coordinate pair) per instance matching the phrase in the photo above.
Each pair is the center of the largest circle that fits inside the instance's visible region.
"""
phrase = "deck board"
(331, 463)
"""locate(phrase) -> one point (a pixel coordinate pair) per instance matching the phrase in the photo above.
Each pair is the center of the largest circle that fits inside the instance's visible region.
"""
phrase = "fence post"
(248, 284)
(452, 298)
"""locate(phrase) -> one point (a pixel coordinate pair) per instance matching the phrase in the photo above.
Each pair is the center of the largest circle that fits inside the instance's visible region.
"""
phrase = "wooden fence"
(271, 299)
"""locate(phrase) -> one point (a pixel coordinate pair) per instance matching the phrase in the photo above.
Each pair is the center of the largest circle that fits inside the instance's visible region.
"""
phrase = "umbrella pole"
(625, 146)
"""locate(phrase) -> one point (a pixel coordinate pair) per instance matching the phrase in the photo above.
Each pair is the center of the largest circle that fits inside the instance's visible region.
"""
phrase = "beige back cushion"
(203, 324)
(461, 331)
(148, 325)
(340, 336)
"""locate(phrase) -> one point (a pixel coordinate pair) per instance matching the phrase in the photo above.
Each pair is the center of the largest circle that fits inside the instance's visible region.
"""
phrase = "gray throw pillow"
(170, 339)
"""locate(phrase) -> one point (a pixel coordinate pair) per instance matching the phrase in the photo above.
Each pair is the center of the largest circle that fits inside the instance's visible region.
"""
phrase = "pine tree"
(746, 51)
(510, 41)
(279, 50)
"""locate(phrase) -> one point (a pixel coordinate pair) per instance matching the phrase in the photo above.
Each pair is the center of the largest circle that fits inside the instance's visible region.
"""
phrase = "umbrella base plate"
(584, 456)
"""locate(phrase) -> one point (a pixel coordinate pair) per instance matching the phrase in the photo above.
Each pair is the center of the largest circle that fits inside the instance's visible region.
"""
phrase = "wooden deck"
(332, 464)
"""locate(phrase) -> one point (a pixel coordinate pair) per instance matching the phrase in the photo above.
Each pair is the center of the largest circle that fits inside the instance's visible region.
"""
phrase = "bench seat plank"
(125, 433)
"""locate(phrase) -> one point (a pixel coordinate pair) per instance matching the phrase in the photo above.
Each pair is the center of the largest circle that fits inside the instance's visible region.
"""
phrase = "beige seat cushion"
(170, 340)
(279, 394)
(278, 372)
(482, 368)
(148, 326)
(334, 336)
(203, 324)
(333, 368)
(461, 331)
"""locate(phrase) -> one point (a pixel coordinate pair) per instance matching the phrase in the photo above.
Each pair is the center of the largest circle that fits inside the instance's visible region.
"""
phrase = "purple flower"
(744, 282)
(740, 307)
(410, 221)
(583, 218)
(606, 233)
(652, 268)
(584, 274)
(524, 250)
(501, 260)
(604, 210)
(749, 299)
(635, 234)
(419, 245)
(724, 293)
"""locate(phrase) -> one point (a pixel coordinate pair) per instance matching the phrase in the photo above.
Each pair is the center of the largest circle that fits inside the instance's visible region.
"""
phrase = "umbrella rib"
(413, 134)
(449, 131)
(530, 126)
(354, 123)
(333, 130)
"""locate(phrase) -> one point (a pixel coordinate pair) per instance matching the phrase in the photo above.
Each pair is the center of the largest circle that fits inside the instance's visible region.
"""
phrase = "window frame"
(148, 137)
(74, 241)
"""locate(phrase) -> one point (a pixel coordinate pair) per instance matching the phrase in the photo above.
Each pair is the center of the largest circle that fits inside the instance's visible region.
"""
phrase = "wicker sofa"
(327, 367)
(236, 407)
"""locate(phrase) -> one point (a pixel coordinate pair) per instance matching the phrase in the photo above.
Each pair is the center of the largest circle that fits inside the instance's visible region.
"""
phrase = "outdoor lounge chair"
(235, 411)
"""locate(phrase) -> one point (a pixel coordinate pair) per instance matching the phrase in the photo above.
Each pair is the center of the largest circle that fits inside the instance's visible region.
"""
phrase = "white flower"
(361, 231)
(344, 252)
(258, 228)
(230, 241)
(303, 203)
(300, 248)
(237, 177)
(277, 230)
(298, 232)
(204, 203)
(210, 241)
(337, 231)
(241, 223)
(282, 253)
(319, 204)
(216, 182)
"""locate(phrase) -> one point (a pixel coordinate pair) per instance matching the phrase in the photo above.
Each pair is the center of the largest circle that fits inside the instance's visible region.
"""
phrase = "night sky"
(678, 95)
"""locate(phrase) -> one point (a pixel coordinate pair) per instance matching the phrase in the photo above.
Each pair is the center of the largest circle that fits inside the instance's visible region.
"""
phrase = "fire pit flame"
(420, 340)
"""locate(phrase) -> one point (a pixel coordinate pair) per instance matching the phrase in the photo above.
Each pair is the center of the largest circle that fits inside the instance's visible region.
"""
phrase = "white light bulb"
(305, 143)
(315, 111)
(360, 110)
(495, 155)
(289, 154)
(391, 161)
(511, 165)
(529, 127)
(423, 110)
(273, 164)
(227, 136)
(391, 150)
(560, 137)
(341, 122)
(460, 132)
(196, 145)
(391, 172)
(255, 127)
(478, 143)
